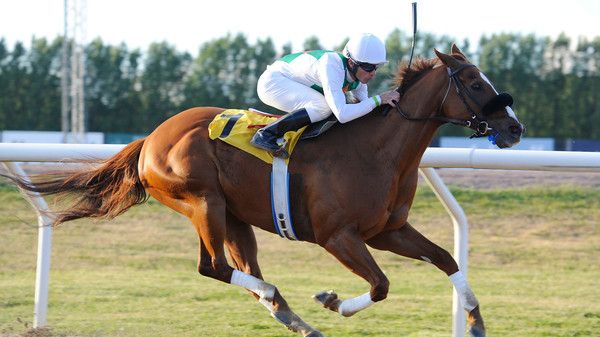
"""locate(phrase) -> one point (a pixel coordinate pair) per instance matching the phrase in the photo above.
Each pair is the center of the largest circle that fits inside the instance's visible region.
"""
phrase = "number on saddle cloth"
(236, 127)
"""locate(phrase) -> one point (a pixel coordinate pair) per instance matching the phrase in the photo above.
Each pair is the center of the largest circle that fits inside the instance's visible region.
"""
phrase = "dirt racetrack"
(489, 179)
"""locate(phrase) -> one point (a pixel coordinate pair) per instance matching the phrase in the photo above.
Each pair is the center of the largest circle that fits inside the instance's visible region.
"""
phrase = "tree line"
(555, 82)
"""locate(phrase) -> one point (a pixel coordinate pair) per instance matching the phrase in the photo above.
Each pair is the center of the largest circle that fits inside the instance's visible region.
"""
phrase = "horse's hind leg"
(407, 241)
(216, 227)
(209, 218)
(241, 243)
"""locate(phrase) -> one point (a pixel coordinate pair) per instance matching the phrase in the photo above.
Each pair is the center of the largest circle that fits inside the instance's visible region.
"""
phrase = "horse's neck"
(403, 142)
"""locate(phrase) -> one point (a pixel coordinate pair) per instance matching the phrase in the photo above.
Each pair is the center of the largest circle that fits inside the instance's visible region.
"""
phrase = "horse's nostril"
(515, 129)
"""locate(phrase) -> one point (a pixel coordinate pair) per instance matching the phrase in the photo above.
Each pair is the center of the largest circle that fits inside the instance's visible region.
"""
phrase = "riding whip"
(387, 108)
(412, 48)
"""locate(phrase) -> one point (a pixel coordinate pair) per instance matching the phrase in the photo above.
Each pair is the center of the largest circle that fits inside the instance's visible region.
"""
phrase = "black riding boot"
(266, 138)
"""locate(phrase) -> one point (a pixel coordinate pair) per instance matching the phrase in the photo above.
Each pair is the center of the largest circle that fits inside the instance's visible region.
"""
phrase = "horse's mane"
(405, 77)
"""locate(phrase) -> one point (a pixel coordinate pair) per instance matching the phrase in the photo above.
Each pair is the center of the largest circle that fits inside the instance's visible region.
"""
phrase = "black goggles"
(368, 67)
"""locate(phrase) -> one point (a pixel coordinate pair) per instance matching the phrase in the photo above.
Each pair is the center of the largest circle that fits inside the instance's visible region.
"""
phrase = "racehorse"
(351, 187)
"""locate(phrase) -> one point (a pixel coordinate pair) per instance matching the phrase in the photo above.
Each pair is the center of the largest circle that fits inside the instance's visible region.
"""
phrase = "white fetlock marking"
(255, 285)
(467, 298)
(351, 306)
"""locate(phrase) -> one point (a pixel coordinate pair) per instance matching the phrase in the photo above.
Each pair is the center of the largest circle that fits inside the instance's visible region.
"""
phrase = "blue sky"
(187, 24)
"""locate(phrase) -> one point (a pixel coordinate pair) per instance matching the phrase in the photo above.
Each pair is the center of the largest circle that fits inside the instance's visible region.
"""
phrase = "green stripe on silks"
(317, 88)
(317, 54)
(290, 57)
(347, 87)
(314, 53)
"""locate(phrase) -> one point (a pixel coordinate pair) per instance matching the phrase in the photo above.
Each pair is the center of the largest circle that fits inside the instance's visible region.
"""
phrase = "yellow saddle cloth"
(236, 127)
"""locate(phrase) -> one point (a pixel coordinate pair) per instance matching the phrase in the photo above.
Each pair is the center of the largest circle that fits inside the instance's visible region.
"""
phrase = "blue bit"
(492, 138)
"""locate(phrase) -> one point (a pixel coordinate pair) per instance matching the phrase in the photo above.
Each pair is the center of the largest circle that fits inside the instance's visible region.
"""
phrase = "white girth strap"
(280, 199)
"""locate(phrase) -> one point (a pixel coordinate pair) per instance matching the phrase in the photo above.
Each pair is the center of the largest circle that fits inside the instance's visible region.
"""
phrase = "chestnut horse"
(351, 188)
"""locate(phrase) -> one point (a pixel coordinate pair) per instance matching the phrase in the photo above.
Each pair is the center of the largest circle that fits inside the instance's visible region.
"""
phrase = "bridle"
(477, 122)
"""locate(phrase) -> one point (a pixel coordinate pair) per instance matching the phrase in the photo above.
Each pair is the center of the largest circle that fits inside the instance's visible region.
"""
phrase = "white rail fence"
(10, 153)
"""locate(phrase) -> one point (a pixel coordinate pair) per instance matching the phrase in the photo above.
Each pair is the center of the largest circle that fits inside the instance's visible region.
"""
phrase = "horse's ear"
(448, 60)
(457, 51)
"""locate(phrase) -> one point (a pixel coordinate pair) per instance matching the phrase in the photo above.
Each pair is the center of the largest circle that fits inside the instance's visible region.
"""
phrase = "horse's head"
(471, 100)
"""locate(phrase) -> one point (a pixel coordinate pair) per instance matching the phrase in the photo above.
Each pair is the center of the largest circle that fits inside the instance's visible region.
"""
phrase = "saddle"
(236, 127)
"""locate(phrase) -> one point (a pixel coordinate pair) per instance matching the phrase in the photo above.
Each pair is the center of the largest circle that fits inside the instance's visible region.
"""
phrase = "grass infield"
(534, 263)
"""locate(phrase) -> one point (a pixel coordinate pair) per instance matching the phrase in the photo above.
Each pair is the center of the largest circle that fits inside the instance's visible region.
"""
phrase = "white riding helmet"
(366, 48)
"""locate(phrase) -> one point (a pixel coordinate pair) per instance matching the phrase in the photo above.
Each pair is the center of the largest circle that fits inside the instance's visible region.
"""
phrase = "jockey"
(310, 86)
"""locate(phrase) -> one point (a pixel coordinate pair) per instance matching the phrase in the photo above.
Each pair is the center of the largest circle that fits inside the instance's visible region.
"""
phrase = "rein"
(476, 123)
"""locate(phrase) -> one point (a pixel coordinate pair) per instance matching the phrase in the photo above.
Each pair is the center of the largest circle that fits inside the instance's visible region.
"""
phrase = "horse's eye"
(476, 86)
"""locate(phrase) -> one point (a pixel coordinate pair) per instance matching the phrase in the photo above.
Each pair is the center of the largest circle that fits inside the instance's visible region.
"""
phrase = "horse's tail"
(105, 191)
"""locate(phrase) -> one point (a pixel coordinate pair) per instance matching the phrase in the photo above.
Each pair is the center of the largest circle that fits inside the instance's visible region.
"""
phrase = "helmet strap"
(352, 68)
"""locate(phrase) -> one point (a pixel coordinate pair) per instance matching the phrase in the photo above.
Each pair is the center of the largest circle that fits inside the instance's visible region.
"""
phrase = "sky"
(188, 24)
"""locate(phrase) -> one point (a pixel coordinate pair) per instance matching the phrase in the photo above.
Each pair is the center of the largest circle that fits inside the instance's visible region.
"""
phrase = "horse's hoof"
(329, 300)
(476, 326)
(477, 332)
(325, 297)
(314, 334)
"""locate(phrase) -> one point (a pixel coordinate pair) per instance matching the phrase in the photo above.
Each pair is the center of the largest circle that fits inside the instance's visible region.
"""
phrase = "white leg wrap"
(351, 306)
(255, 285)
(267, 305)
(467, 298)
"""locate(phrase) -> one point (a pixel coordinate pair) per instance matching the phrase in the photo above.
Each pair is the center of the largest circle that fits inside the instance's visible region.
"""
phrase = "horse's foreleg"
(407, 241)
(241, 243)
(349, 248)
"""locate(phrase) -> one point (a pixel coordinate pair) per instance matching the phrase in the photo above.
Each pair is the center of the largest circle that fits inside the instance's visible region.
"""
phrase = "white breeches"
(280, 92)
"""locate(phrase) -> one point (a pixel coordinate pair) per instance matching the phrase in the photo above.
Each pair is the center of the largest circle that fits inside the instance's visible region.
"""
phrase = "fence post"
(44, 251)
(461, 240)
